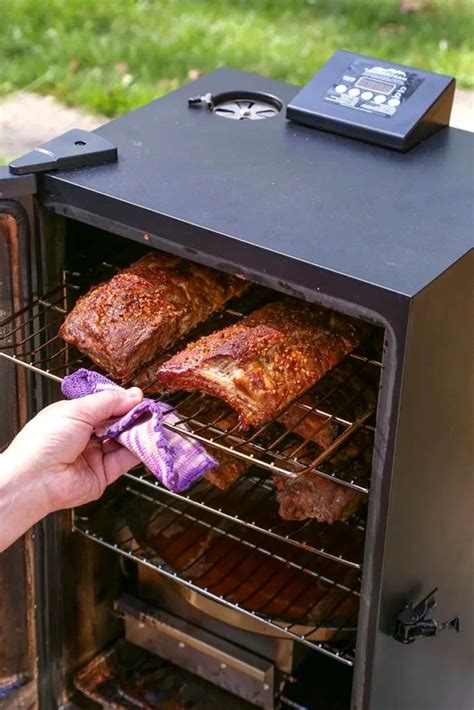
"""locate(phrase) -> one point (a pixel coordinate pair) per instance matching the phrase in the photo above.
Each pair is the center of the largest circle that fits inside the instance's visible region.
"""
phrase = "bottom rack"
(314, 600)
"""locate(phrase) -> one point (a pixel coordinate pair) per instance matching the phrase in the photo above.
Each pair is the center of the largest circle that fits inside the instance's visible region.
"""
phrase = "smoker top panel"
(395, 221)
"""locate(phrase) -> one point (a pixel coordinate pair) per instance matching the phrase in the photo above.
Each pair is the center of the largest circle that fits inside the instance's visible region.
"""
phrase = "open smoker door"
(34, 591)
(18, 672)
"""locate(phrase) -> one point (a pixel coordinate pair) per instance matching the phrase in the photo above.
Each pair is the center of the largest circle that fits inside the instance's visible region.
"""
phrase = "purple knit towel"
(176, 460)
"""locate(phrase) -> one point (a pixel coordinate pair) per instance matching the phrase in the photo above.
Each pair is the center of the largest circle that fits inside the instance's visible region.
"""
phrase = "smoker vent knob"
(205, 100)
(411, 622)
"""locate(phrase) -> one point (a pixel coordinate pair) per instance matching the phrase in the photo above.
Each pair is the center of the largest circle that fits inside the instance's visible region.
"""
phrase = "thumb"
(95, 408)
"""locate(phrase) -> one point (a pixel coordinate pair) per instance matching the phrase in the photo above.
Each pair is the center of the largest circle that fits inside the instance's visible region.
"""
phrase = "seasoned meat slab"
(229, 470)
(263, 362)
(123, 323)
(312, 496)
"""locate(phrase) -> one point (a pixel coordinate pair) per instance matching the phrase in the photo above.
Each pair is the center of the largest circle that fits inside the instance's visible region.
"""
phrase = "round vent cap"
(240, 105)
(243, 106)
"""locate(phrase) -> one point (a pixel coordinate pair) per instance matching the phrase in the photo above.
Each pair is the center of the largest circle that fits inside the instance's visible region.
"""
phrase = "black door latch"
(411, 622)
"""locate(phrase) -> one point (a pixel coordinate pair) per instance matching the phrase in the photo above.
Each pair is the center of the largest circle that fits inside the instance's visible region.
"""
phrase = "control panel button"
(379, 99)
(341, 88)
(394, 102)
(354, 92)
(366, 95)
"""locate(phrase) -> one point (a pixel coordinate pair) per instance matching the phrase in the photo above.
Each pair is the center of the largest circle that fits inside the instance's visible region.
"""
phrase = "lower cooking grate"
(303, 597)
(251, 502)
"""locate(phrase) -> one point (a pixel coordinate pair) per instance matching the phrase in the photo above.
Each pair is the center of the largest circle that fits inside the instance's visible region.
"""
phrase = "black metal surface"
(280, 199)
(429, 513)
(74, 149)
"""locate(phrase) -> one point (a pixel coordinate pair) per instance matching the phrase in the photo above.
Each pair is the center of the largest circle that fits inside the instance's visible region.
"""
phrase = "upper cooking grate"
(345, 399)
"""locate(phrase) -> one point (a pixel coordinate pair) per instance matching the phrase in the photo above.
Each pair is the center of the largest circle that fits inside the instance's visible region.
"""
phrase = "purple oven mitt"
(177, 461)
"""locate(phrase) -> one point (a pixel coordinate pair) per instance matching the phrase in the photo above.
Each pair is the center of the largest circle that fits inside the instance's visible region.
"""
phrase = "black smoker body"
(383, 236)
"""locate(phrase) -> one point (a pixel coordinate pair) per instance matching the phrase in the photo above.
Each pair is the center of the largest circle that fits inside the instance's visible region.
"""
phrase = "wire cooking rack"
(309, 599)
(343, 402)
(245, 515)
(251, 503)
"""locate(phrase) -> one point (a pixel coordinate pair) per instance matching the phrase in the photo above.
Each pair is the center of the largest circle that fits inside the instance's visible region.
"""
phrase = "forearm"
(22, 502)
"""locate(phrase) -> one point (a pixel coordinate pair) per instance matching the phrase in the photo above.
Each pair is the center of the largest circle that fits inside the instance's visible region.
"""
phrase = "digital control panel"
(373, 100)
(373, 88)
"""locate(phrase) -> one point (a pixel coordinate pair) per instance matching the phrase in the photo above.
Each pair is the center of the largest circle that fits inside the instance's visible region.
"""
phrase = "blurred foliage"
(113, 55)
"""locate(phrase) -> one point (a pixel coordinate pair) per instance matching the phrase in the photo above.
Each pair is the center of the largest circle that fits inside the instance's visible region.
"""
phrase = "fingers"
(95, 408)
(118, 462)
(109, 446)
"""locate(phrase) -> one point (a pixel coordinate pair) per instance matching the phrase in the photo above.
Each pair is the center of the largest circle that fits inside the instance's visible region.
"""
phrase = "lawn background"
(112, 55)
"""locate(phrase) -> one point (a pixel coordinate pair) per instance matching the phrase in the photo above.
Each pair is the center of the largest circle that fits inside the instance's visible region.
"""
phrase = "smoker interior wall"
(429, 535)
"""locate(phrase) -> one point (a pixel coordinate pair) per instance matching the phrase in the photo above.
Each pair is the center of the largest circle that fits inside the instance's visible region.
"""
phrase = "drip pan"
(151, 583)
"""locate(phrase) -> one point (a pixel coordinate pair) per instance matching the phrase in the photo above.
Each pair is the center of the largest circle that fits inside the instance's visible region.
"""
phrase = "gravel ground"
(26, 120)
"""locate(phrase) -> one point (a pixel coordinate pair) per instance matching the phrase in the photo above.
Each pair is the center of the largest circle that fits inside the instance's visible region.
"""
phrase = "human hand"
(53, 463)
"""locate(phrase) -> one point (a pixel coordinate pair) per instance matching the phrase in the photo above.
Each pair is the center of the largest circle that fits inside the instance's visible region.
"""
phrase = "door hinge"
(411, 622)
(75, 149)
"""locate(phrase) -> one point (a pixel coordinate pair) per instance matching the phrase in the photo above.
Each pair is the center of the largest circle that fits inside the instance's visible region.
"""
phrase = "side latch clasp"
(74, 149)
(412, 623)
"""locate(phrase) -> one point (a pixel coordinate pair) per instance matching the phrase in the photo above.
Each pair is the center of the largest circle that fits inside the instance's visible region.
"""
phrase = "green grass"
(112, 55)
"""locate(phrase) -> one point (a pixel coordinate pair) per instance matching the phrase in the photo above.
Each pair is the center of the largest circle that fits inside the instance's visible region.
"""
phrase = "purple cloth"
(176, 460)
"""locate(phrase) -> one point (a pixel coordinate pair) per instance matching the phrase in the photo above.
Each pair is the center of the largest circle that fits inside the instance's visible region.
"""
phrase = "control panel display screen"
(381, 87)
(373, 87)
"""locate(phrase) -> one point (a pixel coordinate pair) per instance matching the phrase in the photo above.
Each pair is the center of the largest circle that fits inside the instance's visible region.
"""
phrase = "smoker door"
(18, 652)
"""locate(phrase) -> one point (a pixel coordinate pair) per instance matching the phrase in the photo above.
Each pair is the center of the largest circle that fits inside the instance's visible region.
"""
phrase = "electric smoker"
(91, 614)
